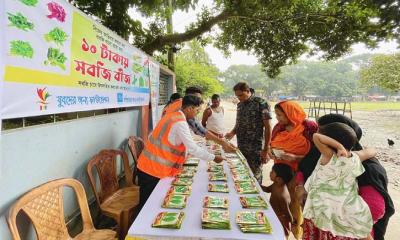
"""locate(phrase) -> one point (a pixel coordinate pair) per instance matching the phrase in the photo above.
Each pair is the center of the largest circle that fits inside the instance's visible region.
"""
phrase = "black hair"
(191, 100)
(193, 90)
(174, 96)
(283, 171)
(333, 117)
(341, 132)
(215, 97)
(241, 86)
(252, 91)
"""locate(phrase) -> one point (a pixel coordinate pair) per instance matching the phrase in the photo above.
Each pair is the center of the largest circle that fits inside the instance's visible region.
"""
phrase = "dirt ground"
(377, 128)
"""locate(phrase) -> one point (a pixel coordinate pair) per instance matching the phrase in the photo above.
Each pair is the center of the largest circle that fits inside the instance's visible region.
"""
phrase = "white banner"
(56, 59)
(154, 69)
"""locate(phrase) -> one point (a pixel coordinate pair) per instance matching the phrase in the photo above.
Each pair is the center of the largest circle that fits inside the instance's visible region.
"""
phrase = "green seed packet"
(175, 201)
(215, 168)
(217, 176)
(218, 187)
(192, 161)
(215, 202)
(190, 168)
(237, 171)
(169, 220)
(182, 181)
(245, 187)
(231, 155)
(253, 222)
(215, 219)
(241, 177)
(183, 190)
(253, 202)
(185, 173)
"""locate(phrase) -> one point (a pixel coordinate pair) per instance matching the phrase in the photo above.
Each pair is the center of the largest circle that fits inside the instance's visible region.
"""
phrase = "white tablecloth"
(191, 226)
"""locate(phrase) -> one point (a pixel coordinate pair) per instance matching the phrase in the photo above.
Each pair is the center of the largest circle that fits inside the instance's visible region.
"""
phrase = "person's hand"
(341, 152)
(228, 147)
(229, 135)
(301, 194)
(265, 156)
(218, 159)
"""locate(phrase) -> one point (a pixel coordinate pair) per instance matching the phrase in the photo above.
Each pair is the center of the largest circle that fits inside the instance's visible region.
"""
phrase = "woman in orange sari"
(289, 145)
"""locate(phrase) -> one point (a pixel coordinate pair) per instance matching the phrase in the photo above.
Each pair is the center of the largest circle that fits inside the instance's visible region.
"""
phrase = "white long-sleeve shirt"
(180, 133)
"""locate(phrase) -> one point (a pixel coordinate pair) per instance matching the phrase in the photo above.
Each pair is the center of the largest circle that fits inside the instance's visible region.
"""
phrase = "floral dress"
(333, 204)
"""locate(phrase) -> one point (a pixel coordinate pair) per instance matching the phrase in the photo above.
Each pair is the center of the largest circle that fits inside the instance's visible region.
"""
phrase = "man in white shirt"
(168, 146)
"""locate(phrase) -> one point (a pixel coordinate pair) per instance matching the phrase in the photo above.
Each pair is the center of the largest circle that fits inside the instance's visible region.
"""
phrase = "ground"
(377, 126)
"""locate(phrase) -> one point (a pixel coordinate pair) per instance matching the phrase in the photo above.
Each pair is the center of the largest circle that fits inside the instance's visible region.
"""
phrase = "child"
(281, 174)
(333, 209)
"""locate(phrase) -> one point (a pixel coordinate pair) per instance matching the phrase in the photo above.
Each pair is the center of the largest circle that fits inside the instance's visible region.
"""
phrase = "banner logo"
(43, 96)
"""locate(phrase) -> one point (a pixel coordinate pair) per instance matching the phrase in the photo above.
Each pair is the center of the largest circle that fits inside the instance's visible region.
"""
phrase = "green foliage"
(277, 31)
(194, 68)
(333, 79)
(382, 71)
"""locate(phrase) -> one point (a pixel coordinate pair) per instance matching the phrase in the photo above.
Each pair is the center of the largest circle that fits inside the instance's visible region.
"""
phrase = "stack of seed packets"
(253, 222)
(175, 201)
(217, 176)
(192, 161)
(247, 187)
(215, 168)
(186, 173)
(215, 219)
(215, 202)
(218, 187)
(183, 190)
(253, 202)
(169, 220)
(241, 177)
(182, 181)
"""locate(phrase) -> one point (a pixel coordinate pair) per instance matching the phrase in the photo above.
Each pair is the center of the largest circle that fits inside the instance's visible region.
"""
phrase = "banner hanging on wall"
(59, 60)
(154, 69)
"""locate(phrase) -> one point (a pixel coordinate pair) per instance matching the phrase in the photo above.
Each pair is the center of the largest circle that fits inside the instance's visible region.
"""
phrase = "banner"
(58, 60)
(154, 69)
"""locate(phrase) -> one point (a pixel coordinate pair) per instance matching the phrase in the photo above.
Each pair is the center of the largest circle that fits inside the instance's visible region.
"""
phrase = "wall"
(34, 155)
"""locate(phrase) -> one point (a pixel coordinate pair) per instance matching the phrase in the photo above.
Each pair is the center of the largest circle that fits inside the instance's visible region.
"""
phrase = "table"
(191, 226)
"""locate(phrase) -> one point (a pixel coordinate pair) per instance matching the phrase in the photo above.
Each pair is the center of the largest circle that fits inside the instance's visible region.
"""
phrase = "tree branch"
(186, 36)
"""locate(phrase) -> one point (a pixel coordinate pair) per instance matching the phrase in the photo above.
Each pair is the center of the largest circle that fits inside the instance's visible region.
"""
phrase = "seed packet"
(253, 222)
(175, 201)
(182, 181)
(241, 177)
(185, 173)
(169, 220)
(192, 161)
(215, 168)
(190, 168)
(240, 171)
(245, 187)
(183, 190)
(253, 202)
(215, 202)
(231, 155)
(217, 176)
(215, 219)
(218, 187)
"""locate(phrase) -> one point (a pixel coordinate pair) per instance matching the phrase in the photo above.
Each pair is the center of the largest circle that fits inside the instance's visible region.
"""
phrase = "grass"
(358, 106)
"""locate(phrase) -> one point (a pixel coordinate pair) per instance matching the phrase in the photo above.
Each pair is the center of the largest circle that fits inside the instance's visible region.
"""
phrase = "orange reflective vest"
(159, 157)
(173, 107)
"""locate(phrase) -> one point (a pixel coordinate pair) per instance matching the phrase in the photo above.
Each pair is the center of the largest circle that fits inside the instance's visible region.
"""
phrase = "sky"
(182, 19)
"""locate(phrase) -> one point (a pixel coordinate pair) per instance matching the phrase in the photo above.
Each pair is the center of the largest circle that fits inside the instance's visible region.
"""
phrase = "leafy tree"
(277, 31)
(194, 68)
(383, 71)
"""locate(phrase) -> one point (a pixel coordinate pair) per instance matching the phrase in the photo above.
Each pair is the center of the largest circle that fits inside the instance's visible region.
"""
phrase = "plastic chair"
(136, 146)
(45, 208)
(114, 201)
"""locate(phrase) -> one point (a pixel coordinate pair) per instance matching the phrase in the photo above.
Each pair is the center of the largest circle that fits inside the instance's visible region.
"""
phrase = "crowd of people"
(325, 185)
